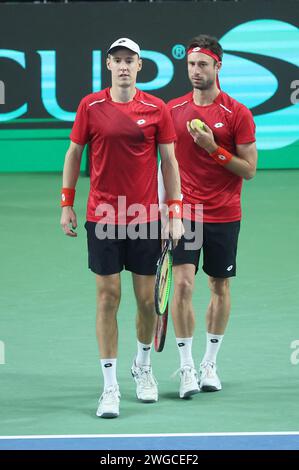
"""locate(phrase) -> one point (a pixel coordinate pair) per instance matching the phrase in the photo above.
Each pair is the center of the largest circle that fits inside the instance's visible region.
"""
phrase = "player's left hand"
(203, 138)
(176, 230)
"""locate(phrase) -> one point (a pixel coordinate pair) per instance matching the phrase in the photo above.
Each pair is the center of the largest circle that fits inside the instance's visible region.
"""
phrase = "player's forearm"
(71, 169)
(241, 167)
(171, 178)
(243, 164)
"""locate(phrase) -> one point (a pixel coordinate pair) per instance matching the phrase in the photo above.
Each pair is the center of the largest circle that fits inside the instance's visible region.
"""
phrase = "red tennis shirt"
(203, 180)
(123, 139)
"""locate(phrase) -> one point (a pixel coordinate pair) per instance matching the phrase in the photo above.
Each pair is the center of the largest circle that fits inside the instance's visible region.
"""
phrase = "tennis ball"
(197, 124)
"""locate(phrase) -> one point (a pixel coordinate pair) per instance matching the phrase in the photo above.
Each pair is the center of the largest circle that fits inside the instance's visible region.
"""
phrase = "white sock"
(143, 357)
(109, 372)
(212, 348)
(185, 350)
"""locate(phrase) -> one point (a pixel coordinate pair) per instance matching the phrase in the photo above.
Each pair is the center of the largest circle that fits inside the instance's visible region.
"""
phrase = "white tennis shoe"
(146, 384)
(188, 382)
(109, 403)
(208, 378)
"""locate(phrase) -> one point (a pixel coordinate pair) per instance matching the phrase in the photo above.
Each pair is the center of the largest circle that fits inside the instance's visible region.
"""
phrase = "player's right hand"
(176, 230)
(68, 221)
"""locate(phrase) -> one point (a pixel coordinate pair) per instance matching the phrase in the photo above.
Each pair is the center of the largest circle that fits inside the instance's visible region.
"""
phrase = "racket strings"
(165, 281)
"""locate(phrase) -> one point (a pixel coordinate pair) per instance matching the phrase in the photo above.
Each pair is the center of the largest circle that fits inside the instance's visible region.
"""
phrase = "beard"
(204, 85)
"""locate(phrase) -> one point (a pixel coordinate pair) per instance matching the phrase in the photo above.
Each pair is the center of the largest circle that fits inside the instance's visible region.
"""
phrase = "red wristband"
(67, 197)
(221, 156)
(175, 208)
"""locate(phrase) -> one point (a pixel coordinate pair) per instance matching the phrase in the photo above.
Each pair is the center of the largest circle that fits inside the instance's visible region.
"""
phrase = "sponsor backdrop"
(51, 55)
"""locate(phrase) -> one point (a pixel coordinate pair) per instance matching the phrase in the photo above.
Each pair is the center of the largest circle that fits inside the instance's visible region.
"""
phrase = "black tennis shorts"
(219, 245)
(119, 251)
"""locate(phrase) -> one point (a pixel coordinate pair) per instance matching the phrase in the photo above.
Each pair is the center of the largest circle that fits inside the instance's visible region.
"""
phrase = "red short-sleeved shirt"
(122, 140)
(203, 180)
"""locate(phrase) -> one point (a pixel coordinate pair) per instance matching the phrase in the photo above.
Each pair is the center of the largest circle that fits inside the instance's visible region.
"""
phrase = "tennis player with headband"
(213, 163)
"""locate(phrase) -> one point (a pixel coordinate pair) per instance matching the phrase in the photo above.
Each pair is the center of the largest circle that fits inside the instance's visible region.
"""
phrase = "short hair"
(207, 42)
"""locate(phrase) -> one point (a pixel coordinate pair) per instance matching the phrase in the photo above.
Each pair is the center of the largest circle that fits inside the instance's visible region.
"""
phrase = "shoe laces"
(186, 373)
(208, 368)
(144, 374)
(110, 393)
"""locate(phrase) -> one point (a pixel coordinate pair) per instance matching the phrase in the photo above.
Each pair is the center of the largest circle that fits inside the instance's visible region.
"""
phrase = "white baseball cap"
(127, 43)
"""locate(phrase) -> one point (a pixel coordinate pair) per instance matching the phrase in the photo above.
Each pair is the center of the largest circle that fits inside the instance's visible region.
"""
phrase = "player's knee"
(183, 288)
(146, 304)
(219, 286)
(109, 298)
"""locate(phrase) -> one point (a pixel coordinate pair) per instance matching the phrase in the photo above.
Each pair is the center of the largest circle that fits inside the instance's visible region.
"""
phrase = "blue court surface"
(217, 441)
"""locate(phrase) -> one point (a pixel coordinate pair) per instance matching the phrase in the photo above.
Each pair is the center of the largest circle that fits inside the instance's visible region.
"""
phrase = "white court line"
(88, 436)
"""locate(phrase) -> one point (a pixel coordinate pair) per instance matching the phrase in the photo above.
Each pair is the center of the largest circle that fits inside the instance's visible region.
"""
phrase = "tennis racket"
(163, 278)
(162, 291)
(161, 329)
